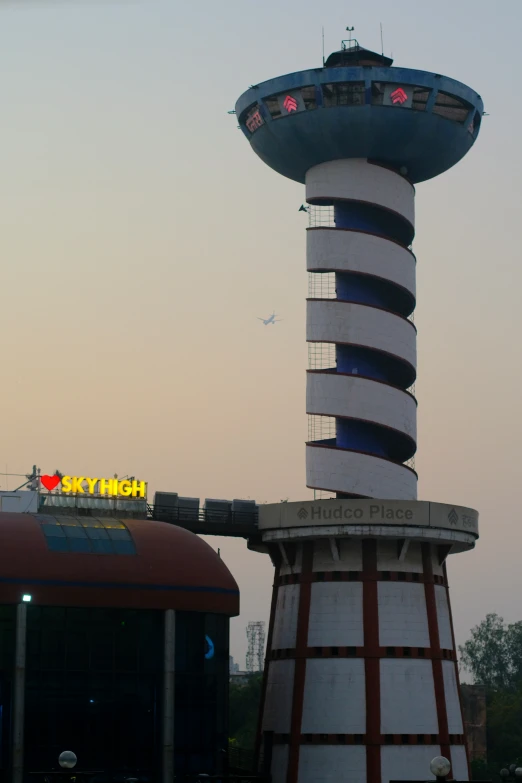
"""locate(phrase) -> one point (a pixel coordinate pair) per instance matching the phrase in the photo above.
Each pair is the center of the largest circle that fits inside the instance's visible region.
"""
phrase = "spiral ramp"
(365, 322)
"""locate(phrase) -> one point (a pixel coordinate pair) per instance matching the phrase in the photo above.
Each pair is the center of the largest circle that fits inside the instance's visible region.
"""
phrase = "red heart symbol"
(50, 482)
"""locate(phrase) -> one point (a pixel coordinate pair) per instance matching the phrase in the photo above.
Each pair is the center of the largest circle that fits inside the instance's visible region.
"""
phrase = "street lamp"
(440, 767)
(67, 759)
(511, 772)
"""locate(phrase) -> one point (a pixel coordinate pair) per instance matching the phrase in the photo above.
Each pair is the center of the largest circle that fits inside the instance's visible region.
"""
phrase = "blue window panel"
(79, 545)
(53, 531)
(58, 544)
(112, 524)
(119, 535)
(91, 522)
(70, 521)
(75, 532)
(101, 546)
(96, 532)
(47, 519)
(124, 547)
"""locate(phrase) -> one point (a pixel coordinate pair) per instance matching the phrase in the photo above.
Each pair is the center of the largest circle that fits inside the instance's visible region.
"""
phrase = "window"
(94, 678)
(253, 119)
(87, 535)
(404, 96)
(293, 102)
(343, 94)
(377, 93)
(309, 101)
(7, 662)
(450, 107)
(201, 691)
(272, 104)
(475, 125)
(420, 98)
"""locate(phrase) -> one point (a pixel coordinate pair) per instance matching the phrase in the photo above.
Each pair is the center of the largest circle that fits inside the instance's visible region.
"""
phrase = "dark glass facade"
(94, 685)
(7, 659)
(201, 693)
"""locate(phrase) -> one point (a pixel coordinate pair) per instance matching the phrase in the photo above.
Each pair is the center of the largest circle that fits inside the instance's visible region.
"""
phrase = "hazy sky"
(141, 237)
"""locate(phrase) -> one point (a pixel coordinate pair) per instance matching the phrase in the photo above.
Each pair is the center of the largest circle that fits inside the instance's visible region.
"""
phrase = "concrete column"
(19, 693)
(168, 696)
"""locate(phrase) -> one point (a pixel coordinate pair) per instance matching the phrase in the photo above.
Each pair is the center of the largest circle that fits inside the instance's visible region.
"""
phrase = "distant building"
(239, 678)
(233, 667)
(475, 720)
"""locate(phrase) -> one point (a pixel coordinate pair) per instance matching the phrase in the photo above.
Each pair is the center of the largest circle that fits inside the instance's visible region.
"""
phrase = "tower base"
(361, 679)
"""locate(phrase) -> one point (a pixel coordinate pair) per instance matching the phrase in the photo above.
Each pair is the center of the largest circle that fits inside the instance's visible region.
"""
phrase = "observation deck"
(359, 106)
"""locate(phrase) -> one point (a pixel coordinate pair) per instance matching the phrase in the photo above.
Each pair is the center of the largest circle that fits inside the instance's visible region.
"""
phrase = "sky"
(141, 238)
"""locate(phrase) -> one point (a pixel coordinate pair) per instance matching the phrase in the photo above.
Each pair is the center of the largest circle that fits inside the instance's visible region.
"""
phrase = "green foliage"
(493, 654)
(483, 770)
(244, 710)
(504, 726)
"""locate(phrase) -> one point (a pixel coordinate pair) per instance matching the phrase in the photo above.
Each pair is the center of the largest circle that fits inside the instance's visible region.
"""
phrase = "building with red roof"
(114, 645)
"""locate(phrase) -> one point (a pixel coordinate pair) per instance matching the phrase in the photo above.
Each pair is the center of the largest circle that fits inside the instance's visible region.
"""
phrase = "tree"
(504, 726)
(244, 703)
(493, 654)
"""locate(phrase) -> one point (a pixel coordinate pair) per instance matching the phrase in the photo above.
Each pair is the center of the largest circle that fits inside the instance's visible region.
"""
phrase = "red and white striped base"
(361, 679)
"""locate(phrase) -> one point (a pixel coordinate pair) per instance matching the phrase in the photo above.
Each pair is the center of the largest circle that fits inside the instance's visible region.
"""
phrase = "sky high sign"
(83, 485)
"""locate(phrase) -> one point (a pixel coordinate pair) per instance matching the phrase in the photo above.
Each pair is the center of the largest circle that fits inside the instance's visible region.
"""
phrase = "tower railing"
(321, 356)
(320, 216)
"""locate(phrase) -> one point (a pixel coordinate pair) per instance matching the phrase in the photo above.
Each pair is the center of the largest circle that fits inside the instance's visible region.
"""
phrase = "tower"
(361, 681)
(256, 646)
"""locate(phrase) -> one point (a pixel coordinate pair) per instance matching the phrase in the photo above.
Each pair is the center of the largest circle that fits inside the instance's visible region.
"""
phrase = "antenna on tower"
(350, 39)
(255, 656)
(382, 42)
(323, 46)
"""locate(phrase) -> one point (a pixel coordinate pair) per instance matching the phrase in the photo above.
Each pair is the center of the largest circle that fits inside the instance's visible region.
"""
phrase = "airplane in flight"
(271, 320)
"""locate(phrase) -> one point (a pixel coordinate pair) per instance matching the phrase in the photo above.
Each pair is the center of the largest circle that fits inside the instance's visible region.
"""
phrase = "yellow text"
(83, 485)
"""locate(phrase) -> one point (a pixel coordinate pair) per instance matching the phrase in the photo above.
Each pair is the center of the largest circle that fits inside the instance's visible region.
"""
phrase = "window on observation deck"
(293, 102)
(475, 125)
(252, 118)
(420, 98)
(405, 96)
(378, 93)
(343, 94)
(309, 100)
(450, 107)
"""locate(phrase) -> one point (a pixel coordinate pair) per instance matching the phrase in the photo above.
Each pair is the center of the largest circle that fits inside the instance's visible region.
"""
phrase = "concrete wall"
(344, 322)
(403, 619)
(359, 398)
(336, 615)
(285, 622)
(331, 764)
(361, 474)
(357, 180)
(408, 697)
(329, 249)
(278, 699)
(334, 697)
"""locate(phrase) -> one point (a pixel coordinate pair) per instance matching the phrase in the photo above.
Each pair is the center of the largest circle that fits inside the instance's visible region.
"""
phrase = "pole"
(168, 696)
(19, 693)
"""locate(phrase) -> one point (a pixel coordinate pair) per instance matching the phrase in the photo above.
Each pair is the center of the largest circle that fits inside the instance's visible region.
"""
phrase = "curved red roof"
(171, 569)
